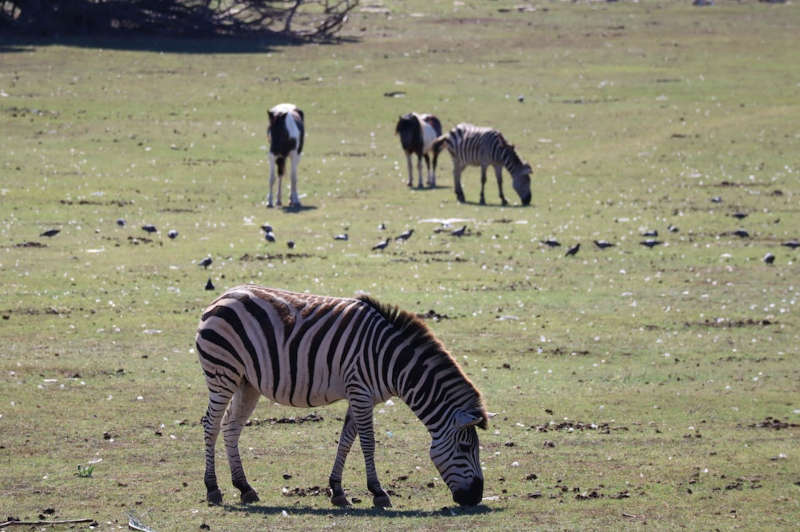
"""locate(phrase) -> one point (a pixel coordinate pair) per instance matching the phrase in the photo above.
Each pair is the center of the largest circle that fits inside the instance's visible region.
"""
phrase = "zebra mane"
(406, 321)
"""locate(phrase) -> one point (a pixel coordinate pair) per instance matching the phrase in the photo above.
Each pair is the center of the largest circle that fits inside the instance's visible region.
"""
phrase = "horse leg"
(242, 405)
(419, 169)
(346, 439)
(294, 199)
(410, 170)
(281, 162)
(498, 172)
(483, 183)
(271, 177)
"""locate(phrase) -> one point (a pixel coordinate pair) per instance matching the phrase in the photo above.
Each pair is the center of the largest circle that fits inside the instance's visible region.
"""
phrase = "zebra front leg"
(483, 183)
(242, 405)
(346, 439)
(428, 168)
(410, 170)
(498, 172)
(294, 199)
(271, 178)
(362, 413)
(432, 182)
(457, 182)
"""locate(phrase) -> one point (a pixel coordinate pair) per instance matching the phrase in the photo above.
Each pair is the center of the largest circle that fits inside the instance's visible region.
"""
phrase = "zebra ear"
(468, 418)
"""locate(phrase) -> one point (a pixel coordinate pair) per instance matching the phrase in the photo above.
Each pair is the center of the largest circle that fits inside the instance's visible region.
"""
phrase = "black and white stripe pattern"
(482, 146)
(286, 133)
(306, 350)
(417, 134)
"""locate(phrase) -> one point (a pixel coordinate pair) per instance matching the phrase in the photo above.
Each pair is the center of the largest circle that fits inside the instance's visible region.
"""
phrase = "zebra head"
(521, 181)
(455, 453)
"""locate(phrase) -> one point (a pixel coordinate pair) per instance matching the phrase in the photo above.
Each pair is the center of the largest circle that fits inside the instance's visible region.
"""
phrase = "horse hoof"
(249, 497)
(340, 500)
(381, 501)
(214, 497)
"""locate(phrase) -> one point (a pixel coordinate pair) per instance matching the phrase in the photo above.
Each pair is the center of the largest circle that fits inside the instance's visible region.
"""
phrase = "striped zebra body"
(471, 145)
(306, 350)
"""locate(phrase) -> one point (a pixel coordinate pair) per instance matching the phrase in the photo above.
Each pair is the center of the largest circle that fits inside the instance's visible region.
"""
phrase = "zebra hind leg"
(242, 405)
(346, 439)
(219, 397)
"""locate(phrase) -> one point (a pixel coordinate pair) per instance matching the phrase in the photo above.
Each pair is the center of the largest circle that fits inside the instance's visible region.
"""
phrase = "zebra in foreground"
(482, 146)
(286, 133)
(417, 134)
(307, 350)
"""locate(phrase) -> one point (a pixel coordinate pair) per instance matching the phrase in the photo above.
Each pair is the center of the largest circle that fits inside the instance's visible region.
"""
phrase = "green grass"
(662, 362)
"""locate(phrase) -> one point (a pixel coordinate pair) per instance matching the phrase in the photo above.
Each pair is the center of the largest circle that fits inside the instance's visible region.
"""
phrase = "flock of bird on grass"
(420, 135)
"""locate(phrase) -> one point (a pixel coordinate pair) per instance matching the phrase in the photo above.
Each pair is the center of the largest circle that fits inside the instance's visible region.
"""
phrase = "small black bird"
(739, 215)
(741, 233)
(716, 199)
(149, 228)
(381, 245)
(461, 231)
(172, 233)
(650, 243)
(405, 235)
(792, 244)
(573, 250)
(382, 227)
(121, 222)
(266, 228)
(672, 229)
(769, 258)
(651, 232)
(551, 242)
(209, 284)
(342, 236)
(206, 262)
(269, 237)
(51, 233)
(603, 244)
(290, 244)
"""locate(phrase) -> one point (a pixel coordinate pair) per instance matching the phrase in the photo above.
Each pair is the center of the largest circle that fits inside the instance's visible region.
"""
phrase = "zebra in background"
(417, 134)
(482, 146)
(307, 350)
(286, 133)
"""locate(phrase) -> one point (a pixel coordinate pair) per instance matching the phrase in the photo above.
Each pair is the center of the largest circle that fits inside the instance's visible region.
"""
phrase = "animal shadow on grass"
(295, 208)
(447, 511)
(510, 205)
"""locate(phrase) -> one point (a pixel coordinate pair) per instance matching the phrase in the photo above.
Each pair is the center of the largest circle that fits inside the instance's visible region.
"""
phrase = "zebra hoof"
(340, 500)
(214, 497)
(250, 496)
(381, 501)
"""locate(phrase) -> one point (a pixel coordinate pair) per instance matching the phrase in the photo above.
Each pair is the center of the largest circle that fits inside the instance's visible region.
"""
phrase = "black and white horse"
(286, 132)
(417, 133)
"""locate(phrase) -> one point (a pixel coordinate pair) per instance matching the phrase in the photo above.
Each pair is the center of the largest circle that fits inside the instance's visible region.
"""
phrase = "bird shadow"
(447, 511)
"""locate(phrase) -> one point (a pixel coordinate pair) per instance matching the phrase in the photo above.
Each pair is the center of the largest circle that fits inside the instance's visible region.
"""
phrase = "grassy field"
(632, 387)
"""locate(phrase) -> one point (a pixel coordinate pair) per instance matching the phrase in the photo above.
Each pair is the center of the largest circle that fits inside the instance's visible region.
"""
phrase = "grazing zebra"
(286, 133)
(417, 134)
(307, 350)
(482, 146)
